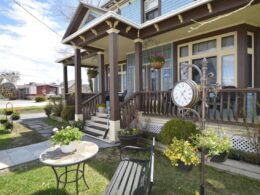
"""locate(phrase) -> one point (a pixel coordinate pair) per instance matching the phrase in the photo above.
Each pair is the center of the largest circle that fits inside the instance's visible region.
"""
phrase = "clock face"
(183, 94)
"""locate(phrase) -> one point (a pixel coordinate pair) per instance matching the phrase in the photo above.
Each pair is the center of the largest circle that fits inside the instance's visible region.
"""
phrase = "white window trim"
(252, 51)
(219, 52)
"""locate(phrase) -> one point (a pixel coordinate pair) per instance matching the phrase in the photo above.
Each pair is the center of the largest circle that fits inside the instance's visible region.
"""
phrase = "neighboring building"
(27, 91)
(120, 37)
(71, 88)
(45, 89)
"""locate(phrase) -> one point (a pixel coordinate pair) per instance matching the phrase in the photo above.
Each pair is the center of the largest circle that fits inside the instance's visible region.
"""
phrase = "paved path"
(238, 167)
(16, 156)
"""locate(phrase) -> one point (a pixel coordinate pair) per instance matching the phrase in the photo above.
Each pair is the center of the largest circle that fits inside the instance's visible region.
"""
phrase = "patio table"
(56, 159)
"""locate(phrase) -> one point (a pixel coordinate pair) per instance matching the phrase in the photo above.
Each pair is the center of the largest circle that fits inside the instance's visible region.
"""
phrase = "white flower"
(55, 129)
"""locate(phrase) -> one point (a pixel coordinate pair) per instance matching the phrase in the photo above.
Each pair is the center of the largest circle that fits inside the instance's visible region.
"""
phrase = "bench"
(133, 175)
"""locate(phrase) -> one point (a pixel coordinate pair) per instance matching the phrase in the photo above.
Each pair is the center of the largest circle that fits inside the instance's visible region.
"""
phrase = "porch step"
(97, 126)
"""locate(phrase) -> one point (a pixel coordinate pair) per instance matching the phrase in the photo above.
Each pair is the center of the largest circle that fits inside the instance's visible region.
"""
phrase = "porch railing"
(70, 98)
(235, 106)
(89, 106)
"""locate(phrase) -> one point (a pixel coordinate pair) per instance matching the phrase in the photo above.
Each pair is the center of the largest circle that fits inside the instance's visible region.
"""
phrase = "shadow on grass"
(51, 191)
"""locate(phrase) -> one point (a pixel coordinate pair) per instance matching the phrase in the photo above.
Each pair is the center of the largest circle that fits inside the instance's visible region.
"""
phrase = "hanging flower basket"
(92, 73)
(157, 62)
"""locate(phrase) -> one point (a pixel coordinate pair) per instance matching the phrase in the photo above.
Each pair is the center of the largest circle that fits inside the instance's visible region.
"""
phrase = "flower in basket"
(92, 73)
(157, 61)
(181, 150)
(131, 131)
(212, 143)
(67, 138)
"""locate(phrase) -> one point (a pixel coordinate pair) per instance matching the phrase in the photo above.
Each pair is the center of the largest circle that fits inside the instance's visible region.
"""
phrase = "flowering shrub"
(181, 150)
(213, 143)
(66, 136)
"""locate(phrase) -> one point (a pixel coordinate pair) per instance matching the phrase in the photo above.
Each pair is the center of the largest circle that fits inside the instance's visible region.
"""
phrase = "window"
(227, 42)
(151, 9)
(212, 68)
(228, 70)
(184, 74)
(206, 46)
(249, 41)
(184, 51)
(250, 59)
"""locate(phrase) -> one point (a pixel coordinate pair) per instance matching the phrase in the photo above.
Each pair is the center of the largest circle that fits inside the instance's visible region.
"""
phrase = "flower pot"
(9, 112)
(69, 148)
(157, 65)
(102, 109)
(222, 157)
(128, 140)
(92, 74)
(183, 167)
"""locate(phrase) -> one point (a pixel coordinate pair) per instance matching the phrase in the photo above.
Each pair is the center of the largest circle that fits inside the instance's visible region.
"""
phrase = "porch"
(108, 43)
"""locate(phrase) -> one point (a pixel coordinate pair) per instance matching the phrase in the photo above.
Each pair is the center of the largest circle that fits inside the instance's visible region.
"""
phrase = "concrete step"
(102, 115)
(95, 131)
(101, 119)
(97, 124)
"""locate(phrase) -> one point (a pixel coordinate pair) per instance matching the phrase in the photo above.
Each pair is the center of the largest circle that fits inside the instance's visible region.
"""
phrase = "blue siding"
(169, 5)
(132, 11)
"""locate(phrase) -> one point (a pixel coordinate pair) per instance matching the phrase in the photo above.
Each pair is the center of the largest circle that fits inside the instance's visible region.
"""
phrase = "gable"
(83, 15)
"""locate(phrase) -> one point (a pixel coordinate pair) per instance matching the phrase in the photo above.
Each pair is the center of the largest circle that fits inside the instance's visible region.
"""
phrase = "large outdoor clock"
(185, 94)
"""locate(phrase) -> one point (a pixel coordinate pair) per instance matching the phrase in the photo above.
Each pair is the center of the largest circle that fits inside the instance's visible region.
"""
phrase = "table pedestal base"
(79, 174)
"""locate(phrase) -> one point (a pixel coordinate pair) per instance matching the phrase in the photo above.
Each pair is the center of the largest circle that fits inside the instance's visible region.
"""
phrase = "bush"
(68, 113)
(57, 109)
(40, 98)
(48, 110)
(15, 116)
(177, 128)
(78, 124)
(8, 125)
(249, 157)
(2, 127)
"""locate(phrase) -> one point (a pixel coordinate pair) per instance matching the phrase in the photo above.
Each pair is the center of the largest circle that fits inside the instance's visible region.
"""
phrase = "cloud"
(28, 46)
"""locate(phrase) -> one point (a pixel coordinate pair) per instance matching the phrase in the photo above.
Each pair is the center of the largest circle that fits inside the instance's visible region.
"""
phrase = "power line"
(27, 11)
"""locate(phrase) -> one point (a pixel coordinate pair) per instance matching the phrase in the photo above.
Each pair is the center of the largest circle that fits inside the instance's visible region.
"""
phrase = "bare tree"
(10, 76)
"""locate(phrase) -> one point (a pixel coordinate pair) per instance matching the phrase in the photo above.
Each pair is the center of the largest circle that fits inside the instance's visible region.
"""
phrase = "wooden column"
(65, 82)
(113, 59)
(101, 71)
(138, 70)
(242, 65)
(257, 58)
(175, 63)
(78, 92)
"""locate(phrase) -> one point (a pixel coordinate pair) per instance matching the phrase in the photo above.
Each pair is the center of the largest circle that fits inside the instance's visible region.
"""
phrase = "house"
(27, 91)
(45, 89)
(120, 37)
(71, 88)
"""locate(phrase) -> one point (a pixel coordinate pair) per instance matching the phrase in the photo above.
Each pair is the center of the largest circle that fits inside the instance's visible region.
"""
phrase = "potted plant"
(8, 111)
(67, 138)
(157, 61)
(92, 73)
(182, 154)
(217, 147)
(15, 116)
(101, 108)
(3, 120)
(129, 137)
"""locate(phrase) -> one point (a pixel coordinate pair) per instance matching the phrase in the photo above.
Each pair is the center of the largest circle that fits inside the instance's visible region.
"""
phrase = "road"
(21, 103)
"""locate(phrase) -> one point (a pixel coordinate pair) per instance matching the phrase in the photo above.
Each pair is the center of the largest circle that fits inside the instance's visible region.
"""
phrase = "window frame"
(219, 52)
(251, 51)
(144, 12)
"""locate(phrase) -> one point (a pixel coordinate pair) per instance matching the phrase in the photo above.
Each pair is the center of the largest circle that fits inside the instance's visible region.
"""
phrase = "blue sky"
(29, 47)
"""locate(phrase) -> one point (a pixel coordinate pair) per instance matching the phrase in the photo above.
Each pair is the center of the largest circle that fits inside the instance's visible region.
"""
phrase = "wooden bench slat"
(117, 177)
(131, 179)
(126, 176)
(137, 179)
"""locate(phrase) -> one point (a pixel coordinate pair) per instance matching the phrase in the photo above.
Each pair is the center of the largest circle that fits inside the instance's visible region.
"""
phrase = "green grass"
(28, 109)
(168, 180)
(55, 123)
(20, 136)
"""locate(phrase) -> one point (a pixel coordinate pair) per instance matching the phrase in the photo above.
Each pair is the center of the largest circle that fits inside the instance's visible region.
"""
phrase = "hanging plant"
(92, 73)
(157, 61)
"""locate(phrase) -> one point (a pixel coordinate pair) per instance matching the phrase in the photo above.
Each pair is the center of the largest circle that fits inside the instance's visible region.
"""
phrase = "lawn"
(28, 109)
(168, 181)
(20, 136)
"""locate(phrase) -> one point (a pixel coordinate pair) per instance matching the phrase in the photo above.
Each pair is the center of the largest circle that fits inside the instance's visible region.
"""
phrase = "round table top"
(54, 157)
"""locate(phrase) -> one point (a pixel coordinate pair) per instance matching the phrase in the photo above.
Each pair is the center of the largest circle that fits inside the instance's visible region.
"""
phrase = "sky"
(29, 47)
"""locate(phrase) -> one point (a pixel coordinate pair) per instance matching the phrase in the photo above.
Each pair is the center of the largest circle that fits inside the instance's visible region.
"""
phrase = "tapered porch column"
(138, 69)
(78, 92)
(113, 92)
(65, 82)
(101, 70)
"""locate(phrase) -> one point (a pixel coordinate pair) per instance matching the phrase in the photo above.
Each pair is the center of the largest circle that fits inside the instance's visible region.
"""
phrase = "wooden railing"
(89, 106)
(128, 110)
(235, 106)
(70, 98)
